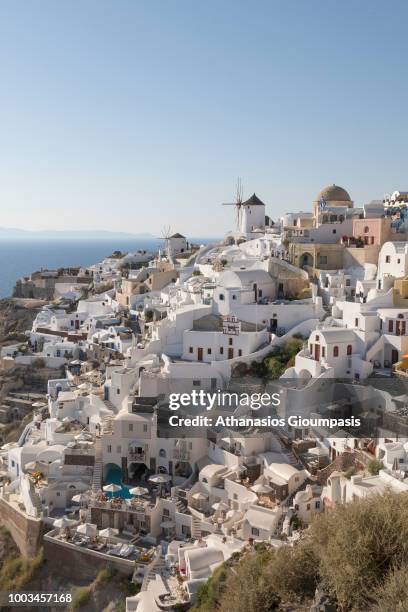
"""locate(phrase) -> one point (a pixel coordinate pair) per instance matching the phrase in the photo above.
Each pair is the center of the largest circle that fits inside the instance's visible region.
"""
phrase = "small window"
(166, 512)
(130, 426)
(239, 352)
(334, 231)
(398, 261)
(335, 351)
(356, 322)
(387, 259)
(349, 349)
(196, 383)
(234, 297)
(117, 391)
(221, 350)
(190, 350)
(230, 341)
(255, 531)
(317, 504)
(109, 448)
(221, 296)
(145, 428)
(208, 351)
(308, 507)
(390, 326)
(366, 229)
(323, 351)
(323, 259)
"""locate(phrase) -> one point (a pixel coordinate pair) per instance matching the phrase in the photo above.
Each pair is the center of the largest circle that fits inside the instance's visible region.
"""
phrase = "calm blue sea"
(21, 257)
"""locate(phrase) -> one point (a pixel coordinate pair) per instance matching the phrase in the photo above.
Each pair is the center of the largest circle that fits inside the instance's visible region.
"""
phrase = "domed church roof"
(333, 193)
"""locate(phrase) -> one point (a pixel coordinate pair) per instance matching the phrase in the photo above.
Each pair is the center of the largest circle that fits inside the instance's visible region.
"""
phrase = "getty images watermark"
(253, 401)
(222, 399)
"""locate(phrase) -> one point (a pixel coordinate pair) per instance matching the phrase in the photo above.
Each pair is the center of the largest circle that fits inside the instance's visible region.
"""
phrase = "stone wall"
(26, 531)
(79, 459)
(354, 256)
(79, 563)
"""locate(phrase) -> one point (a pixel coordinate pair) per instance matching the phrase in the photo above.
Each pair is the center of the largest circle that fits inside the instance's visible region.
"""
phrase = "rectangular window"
(196, 383)
(118, 449)
(323, 259)
(221, 350)
(145, 428)
(190, 350)
(387, 258)
(109, 448)
(239, 352)
(255, 531)
(323, 351)
(208, 351)
(230, 341)
(130, 426)
(390, 326)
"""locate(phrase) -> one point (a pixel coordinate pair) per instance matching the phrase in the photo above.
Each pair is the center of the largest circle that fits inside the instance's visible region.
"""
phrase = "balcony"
(138, 457)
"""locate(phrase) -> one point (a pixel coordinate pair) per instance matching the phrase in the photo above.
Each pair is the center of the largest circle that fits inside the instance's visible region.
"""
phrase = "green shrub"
(104, 575)
(16, 571)
(374, 466)
(393, 593)
(358, 544)
(350, 472)
(82, 597)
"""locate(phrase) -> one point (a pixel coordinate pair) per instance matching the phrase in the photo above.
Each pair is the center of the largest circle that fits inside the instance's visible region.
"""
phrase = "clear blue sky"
(129, 115)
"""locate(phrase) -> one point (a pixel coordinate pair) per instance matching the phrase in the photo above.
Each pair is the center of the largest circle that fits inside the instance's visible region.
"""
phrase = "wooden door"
(230, 353)
(200, 353)
(317, 352)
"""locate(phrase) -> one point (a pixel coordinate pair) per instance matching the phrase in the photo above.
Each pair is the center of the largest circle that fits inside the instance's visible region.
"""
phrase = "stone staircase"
(107, 425)
(156, 566)
(196, 527)
(181, 506)
(97, 472)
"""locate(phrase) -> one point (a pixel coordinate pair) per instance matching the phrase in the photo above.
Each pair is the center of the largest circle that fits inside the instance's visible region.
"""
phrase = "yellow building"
(149, 279)
(314, 255)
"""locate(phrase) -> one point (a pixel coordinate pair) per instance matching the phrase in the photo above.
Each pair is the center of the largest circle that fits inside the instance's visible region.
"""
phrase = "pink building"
(373, 231)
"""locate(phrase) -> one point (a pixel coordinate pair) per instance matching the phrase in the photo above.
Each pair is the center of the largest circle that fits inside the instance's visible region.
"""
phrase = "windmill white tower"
(249, 214)
(165, 236)
(237, 204)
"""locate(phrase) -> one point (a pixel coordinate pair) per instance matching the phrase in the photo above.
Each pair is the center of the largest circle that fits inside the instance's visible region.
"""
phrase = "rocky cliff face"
(16, 316)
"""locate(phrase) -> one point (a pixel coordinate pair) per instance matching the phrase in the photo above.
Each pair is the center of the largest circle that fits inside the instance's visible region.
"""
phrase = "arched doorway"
(306, 260)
